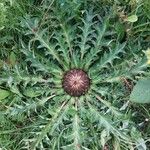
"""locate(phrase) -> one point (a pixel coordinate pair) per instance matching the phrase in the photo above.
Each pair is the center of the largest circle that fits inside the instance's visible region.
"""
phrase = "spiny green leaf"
(109, 57)
(32, 92)
(45, 43)
(86, 32)
(91, 56)
(51, 125)
(104, 121)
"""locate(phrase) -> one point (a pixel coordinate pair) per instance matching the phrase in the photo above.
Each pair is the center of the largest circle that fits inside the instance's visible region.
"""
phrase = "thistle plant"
(72, 91)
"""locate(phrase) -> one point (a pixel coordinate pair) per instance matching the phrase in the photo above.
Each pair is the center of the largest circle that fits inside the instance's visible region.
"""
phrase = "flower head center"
(76, 82)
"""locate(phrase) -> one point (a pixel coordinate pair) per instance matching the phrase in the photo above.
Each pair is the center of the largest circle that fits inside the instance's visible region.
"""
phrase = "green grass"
(40, 41)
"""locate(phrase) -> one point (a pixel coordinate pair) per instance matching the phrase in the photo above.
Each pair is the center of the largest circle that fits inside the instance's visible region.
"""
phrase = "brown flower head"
(76, 82)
